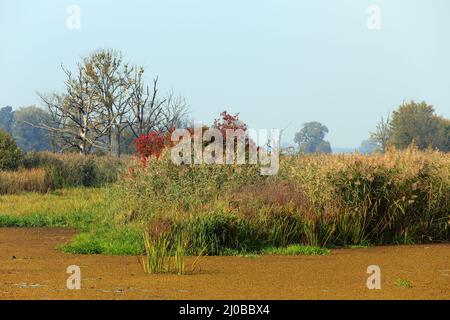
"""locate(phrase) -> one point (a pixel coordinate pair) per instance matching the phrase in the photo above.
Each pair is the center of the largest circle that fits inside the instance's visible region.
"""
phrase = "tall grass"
(165, 250)
(36, 180)
(43, 171)
(317, 200)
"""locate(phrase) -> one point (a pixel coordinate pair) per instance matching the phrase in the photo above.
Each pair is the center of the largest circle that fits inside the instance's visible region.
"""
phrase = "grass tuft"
(403, 283)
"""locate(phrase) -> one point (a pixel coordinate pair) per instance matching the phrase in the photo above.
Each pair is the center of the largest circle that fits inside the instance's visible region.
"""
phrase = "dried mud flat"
(31, 267)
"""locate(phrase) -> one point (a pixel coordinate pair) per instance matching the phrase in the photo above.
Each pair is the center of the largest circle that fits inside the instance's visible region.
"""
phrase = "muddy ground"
(31, 267)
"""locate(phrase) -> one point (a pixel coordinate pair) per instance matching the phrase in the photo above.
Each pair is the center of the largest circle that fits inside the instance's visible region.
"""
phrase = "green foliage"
(369, 146)
(71, 208)
(417, 123)
(6, 119)
(106, 239)
(10, 154)
(296, 249)
(26, 129)
(316, 200)
(311, 138)
(73, 220)
(403, 283)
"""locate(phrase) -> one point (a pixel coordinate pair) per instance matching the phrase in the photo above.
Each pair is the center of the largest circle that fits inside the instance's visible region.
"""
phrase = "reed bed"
(34, 180)
(43, 171)
(317, 200)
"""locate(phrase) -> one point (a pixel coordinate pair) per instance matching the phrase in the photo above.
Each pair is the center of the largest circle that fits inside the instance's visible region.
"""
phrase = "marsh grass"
(44, 171)
(34, 180)
(318, 201)
(315, 200)
(165, 253)
(296, 249)
(61, 203)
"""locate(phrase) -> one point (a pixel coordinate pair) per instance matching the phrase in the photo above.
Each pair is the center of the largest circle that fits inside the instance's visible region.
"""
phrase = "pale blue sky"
(277, 62)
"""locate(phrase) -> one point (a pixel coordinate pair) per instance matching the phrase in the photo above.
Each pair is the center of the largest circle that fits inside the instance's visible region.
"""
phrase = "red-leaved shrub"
(150, 145)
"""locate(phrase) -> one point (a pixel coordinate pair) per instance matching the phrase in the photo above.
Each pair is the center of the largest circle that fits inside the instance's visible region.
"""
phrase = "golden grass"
(58, 202)
(24, 180)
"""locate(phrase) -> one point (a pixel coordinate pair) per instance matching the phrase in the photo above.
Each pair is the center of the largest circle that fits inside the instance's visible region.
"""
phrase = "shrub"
(151, 144)
(10, 154)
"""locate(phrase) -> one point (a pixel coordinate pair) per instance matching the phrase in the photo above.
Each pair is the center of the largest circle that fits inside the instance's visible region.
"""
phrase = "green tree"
(28, 131)
(417, 123)
(369, 146)
(10, 154)
(6, 118)
(311, 138)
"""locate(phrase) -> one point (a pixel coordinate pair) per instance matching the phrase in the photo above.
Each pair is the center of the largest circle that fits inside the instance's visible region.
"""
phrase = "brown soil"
(32, 268)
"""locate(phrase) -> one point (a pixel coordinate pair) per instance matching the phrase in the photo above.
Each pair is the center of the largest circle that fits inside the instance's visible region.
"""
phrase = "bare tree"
(103, 99)
(109, 78)
(146, 108)
(77, 114)
(174, 113)
(382, 134)
(54, 103)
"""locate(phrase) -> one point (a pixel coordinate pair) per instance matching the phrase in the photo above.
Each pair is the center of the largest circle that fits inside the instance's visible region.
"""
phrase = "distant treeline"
(106, 105)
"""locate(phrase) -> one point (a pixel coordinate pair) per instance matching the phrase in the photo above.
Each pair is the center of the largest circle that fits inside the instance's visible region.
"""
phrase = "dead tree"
(79, 123)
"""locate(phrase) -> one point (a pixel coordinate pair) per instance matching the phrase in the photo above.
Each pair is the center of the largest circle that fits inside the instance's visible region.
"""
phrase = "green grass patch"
(73, 220)
(403, 283)
(297, 250)
(107, 240)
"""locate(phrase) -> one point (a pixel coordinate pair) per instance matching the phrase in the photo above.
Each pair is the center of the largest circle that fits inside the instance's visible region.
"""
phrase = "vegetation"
(43, 171)
(296, 249)
(105, 102)
(369, 146)
(403, 283)
(34, 180)
(25, 130)
(311, 138)
(414, 123)
(10, 154)
(397, 197)
(314, 202)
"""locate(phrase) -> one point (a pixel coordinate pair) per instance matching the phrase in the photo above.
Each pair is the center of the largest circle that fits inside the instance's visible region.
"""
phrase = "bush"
(10, 154)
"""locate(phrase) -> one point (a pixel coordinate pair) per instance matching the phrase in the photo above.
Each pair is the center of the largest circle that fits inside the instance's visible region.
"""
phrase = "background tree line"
(106, 105)
(411, 123)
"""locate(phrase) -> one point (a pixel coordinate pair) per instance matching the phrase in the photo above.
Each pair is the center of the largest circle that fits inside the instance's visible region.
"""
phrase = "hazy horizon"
(278, 63)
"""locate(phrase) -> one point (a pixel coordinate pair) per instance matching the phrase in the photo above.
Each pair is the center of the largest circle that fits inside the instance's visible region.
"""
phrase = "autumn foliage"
(150, 145)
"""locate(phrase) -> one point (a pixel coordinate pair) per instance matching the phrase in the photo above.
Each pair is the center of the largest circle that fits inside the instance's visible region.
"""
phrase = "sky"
(279, 63)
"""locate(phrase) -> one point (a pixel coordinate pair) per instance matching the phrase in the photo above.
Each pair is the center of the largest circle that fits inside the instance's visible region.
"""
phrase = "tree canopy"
(311, 138)
(10, 154)
(413, 123)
